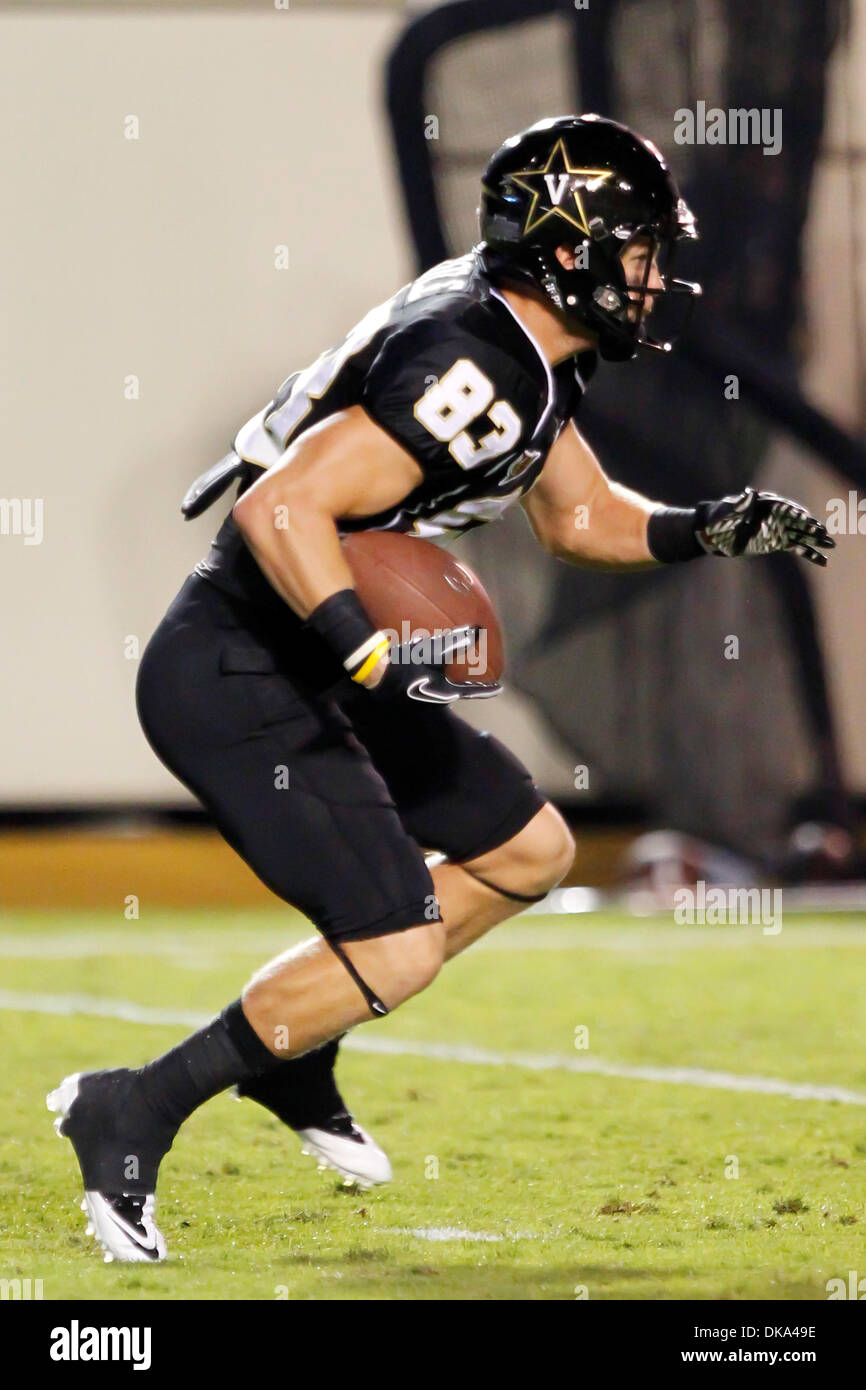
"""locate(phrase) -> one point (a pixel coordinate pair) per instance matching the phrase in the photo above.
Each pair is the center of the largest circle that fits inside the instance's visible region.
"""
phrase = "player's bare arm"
(582, 516)
(578, 514)
(345, 467)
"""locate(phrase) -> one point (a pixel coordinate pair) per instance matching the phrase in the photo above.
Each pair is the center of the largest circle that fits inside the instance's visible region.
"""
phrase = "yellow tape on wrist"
(376, 654)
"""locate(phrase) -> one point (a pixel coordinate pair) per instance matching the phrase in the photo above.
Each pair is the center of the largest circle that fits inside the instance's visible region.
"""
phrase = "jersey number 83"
(460, 396)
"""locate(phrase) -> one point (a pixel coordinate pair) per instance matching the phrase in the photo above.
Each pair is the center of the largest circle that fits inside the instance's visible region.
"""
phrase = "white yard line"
(214, 946)
(651, 937)
(94, 1007)
(588, 1066)
(220, 944)
(128, 1012)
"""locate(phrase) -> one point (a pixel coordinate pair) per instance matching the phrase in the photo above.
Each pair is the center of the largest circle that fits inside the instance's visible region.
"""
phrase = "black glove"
(760, 523)
(416, 671)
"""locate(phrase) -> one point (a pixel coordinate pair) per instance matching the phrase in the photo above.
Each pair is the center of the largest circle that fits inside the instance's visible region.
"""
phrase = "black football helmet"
(595, 186)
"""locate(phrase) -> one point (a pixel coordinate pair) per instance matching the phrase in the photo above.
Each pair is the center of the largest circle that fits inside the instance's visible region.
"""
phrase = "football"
(411, 587)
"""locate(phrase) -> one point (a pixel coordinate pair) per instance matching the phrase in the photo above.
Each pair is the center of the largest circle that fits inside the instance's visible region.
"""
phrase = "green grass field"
(545, 1182)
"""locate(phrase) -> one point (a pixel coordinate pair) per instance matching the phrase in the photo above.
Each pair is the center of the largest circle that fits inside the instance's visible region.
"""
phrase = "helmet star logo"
(556, 190)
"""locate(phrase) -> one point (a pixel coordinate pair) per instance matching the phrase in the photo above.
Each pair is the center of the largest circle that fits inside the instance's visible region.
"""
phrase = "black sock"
(301, 1092)
(225, 1051)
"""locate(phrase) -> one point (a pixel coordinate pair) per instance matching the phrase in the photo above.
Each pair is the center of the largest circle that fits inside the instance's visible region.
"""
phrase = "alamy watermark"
(22, 516)
(736, 126)
(412, 646)
(846, 516)
(20, 1289)
(855, 1288)
(717, 907)
(77, 1343)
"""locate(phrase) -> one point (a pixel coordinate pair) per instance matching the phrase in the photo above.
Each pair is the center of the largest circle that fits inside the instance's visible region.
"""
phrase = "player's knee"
(424, 958)
(548, 851)
(400, 965)
(535, 859)
(559, 846)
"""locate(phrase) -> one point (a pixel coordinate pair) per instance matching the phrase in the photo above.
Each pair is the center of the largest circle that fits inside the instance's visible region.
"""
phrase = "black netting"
(465, 92)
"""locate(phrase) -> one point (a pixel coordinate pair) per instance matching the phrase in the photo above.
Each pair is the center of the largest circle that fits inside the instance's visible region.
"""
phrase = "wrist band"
(341, 622)
(360, 653)
(381, 647)
(670, 535)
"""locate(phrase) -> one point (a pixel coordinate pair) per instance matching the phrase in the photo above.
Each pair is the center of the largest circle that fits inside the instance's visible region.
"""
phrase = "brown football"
(411, 587)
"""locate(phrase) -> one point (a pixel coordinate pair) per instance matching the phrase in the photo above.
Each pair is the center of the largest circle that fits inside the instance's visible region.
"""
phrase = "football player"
(440, 409)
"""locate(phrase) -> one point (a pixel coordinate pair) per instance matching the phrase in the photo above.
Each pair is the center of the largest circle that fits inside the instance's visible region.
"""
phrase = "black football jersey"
(449, 371)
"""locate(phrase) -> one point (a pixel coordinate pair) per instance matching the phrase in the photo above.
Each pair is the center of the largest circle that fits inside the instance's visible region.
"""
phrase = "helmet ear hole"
(607, 298)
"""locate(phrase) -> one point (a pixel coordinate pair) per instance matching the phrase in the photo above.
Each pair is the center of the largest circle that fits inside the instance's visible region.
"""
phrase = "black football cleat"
(93, 1113)
(334, 1138)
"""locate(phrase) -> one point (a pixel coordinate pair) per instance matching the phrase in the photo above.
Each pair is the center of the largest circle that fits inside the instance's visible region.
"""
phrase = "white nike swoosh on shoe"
(119, 1238)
